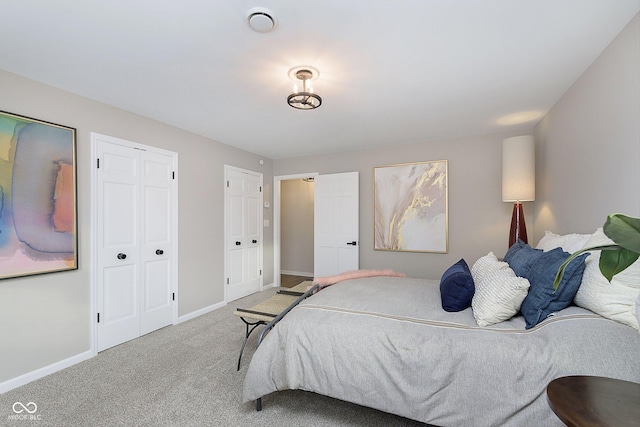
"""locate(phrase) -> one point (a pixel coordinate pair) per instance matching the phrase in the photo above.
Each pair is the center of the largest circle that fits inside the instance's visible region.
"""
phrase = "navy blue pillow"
(457, 287)
(542, 300)
(521, 257)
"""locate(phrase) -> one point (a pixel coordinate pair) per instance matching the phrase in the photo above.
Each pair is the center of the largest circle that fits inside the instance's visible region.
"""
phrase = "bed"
(386, 343)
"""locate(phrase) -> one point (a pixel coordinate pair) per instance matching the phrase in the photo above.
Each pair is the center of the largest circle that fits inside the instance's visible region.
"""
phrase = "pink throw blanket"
(354, 274)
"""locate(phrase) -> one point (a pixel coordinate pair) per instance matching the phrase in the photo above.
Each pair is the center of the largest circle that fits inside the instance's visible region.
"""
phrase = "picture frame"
(38, 197)
(411, 207)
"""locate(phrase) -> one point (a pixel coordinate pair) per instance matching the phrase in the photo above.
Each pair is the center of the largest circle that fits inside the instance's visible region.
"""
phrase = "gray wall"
(296, 226)
(478, 219)
(588, 158)
(45, 319)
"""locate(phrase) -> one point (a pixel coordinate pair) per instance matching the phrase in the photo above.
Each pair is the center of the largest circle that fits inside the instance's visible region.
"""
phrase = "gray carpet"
(180, 375)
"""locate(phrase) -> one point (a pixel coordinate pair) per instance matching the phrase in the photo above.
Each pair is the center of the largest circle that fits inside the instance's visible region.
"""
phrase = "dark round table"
(584, 401)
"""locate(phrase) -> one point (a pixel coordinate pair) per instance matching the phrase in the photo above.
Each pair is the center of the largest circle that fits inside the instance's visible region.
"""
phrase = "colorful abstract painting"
(37, 197)
(410, 207)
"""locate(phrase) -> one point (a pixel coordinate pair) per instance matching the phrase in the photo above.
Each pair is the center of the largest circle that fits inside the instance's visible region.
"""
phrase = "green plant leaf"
(560, 273)
(613, 262)
(624, 231)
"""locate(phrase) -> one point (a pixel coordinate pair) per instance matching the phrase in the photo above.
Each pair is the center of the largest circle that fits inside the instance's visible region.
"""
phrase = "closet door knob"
(122, 256)
(159, 251)
(238, 243)
(254, 241)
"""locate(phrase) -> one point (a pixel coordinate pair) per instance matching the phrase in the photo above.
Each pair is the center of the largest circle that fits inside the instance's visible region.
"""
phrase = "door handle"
(159, 251)
(352, 243)
(238, 243)
(254, 241)
(122, 256)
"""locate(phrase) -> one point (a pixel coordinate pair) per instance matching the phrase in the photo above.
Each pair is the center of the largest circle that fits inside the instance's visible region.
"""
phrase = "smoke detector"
(261, 19)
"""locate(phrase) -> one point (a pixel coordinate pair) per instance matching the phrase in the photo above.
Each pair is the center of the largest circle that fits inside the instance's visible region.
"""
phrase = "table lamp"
(518, 181)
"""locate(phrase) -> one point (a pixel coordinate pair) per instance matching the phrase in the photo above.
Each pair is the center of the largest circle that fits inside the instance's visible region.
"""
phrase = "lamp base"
(518, 228)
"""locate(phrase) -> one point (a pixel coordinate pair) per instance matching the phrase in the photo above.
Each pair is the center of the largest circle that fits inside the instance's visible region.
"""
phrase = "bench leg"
(246, 337)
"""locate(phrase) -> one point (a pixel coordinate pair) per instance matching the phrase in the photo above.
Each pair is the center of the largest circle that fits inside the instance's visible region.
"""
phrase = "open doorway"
(293, 204)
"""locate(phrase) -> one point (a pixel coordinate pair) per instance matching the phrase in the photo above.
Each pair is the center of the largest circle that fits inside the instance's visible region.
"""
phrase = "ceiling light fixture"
(305, 99)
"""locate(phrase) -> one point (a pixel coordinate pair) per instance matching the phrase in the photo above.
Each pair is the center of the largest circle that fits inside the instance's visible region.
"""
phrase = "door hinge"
(261, 272)
(227, 280)
(174, 296)
(173, 175)
(98, 317)
(261, 189)
(227, 184)
(98, 162)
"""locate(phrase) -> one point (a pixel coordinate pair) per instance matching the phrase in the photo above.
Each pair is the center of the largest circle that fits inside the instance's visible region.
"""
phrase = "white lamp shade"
(518, 169)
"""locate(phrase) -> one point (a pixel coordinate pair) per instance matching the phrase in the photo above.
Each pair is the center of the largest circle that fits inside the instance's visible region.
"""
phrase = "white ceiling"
(391, 72)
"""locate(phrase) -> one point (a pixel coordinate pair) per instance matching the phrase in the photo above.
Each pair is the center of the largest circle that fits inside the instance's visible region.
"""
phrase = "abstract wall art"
(411, 207)
(38, 214)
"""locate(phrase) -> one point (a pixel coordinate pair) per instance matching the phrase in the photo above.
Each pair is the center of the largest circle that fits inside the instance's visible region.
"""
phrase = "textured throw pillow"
(456, 287)
(568, 242)
(521, 257)
(542, 300)
(615, 300)
(498, 296)
(485, 266)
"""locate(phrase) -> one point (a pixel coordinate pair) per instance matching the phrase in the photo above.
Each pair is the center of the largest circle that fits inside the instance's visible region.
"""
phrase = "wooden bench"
(266, 312)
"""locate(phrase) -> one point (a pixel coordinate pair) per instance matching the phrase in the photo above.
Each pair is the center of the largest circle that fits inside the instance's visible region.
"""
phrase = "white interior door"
(156, 246)
(118, 242)
(243, 237)
(135, 248)
(336, 222)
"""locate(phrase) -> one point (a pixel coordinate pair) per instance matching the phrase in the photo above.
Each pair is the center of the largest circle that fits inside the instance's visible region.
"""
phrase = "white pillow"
(568, 242)
(486, 265)
(498, 296)
(615, 300)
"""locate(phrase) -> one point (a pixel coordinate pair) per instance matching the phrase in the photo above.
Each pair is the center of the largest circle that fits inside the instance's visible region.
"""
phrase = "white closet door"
(118, 245)
(253, 230)
(156, 251)
(135, 248)
(336, 223)
(243, 227)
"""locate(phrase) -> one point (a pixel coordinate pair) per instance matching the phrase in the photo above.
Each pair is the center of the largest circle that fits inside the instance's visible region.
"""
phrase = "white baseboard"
(200, 312)
(43, 372)
(270, 285)
(209, 309)
(296, 273)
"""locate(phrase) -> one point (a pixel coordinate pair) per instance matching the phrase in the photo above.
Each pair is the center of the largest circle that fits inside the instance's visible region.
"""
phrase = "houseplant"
(617, 256)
